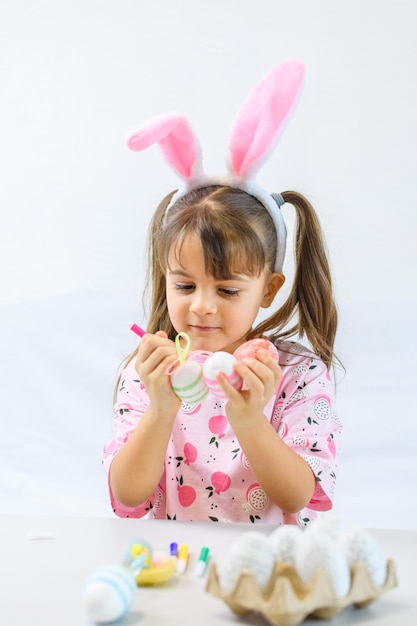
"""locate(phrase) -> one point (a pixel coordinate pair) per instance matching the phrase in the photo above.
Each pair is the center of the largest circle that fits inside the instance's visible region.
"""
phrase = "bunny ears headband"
(254, 134)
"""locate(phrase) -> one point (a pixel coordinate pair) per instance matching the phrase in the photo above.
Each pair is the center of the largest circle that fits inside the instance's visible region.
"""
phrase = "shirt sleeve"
(307, 422)
(131, 403)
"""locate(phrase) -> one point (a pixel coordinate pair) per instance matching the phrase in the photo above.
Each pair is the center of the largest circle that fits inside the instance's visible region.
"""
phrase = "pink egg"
(160, 557)
(251, 347)
(220, 362)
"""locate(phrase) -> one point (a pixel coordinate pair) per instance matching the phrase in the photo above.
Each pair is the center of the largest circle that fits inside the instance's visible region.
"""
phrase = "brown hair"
(238, 234)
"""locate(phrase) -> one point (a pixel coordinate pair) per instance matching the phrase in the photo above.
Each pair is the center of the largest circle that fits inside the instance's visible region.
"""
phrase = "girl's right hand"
(155, 354)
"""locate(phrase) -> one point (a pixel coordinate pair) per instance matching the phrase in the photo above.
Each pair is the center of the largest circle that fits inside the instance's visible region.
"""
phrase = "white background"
(75, 77)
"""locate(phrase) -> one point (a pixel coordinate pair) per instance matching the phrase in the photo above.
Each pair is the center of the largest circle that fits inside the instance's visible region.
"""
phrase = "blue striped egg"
(108, 593)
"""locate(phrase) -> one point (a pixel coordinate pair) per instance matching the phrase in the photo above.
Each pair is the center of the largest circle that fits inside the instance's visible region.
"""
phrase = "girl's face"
(215, 314)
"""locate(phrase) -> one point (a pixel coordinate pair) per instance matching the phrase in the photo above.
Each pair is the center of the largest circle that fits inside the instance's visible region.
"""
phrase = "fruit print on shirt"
(220, 482)
(217, 426)
(320, 409)
(186, 493)
(256, 501)
(189, 456)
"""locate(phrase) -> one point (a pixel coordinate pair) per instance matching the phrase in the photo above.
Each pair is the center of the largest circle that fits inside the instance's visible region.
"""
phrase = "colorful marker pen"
(182, 559)
(201, 564)
(138, 330)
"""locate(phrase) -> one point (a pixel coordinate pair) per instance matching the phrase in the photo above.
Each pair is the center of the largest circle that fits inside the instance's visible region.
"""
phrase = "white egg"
(108, 593)
(360, 545)
(332, 527)
(220, 362)
(187, 382)
(252, 551)
(284, 541)
(320, 552)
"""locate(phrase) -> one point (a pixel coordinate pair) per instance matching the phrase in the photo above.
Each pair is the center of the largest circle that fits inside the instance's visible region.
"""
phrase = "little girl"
(265, 453)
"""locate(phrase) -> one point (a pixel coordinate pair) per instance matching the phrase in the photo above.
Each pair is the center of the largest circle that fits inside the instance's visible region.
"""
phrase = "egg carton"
(287, 601)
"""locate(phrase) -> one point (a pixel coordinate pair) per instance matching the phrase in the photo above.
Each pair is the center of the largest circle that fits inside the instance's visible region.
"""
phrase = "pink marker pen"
(138, 330)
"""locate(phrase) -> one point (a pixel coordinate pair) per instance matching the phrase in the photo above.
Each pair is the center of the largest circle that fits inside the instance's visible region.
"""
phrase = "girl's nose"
(203, 303)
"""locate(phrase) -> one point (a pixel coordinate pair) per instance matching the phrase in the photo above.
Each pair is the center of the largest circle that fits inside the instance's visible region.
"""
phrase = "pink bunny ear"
(176, 139)
(262, 116)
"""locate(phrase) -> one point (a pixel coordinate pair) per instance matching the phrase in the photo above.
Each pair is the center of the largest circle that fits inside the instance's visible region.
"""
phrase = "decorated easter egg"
(220, 362)
(138, 553)
(188, 383)
(252, 551)
(108, 593)
(360, 545)
(160, 557)
(284, 542)
(162, 569)
(318, 552)
(250, 348)
(332, 527)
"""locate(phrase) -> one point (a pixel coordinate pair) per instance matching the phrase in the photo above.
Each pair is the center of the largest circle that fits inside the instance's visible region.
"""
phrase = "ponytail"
(311, 297)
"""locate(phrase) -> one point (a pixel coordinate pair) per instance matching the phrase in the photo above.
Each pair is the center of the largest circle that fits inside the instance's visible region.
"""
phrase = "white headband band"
(271, 202)
(254, 134)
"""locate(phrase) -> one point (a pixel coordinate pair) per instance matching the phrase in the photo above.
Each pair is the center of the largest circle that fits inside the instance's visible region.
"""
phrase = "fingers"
(150, 343)
(156, 352)
(260, 376)
(262, 371)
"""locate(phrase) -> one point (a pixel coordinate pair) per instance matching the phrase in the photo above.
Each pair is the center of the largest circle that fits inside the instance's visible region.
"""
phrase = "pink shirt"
(206, 475)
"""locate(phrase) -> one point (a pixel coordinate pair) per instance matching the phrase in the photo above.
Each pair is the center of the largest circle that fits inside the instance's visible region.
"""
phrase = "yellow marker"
(182, 558)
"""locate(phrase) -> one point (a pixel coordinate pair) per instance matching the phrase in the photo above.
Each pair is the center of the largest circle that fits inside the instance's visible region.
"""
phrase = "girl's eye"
(230, 292)
(188, 288)
(181, 287)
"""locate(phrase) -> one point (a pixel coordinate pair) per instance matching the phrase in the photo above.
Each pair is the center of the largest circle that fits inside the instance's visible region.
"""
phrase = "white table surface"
(41, 579)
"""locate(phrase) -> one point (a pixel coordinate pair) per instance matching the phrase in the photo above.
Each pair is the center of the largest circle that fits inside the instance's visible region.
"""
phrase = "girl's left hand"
(261, 376)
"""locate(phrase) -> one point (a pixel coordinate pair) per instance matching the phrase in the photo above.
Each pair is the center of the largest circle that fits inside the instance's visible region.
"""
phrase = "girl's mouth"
(204, 329)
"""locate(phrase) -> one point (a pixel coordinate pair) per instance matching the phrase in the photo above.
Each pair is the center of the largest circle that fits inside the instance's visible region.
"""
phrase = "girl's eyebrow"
(180, 272)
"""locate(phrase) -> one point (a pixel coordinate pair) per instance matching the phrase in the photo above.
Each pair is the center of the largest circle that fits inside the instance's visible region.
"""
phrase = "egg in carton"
(296, 590)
